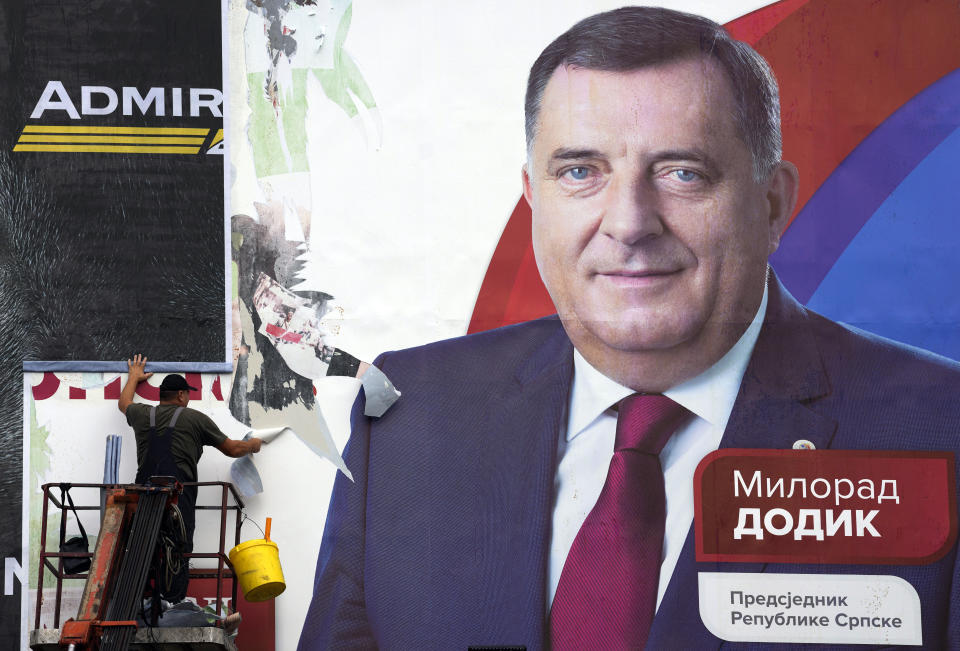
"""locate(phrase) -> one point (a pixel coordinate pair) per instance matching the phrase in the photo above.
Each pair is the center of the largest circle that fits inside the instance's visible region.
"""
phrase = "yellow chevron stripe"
(172, 131)
(109, 149)
(158, 140)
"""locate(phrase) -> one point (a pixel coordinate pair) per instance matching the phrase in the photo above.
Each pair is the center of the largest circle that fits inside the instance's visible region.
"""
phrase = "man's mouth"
(638, 277)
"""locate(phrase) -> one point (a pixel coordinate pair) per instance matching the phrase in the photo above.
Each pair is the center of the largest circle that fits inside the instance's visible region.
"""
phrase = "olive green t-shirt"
(192, 431)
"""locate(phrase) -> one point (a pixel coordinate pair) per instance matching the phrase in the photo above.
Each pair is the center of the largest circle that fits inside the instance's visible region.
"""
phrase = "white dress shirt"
(585, 449)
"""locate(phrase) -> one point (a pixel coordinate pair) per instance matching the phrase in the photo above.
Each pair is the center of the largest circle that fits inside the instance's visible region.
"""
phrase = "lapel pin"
(803, 444)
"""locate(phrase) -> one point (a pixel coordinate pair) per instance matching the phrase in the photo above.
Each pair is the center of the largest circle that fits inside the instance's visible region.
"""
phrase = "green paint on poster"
(235, 280)
(266, 123)
(345, 73)
(278, 135)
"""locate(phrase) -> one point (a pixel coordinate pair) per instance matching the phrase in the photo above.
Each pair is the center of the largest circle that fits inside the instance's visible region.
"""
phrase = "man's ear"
(781, 200)
(527, 194)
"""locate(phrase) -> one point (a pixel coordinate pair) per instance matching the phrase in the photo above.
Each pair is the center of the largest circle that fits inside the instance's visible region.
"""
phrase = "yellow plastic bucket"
(257, 566)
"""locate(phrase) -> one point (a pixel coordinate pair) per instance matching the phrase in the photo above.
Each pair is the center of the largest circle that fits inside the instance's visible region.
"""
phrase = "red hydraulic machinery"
(135, 519)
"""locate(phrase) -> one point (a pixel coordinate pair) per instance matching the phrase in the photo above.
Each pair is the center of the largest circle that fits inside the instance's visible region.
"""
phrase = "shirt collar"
(709, 395)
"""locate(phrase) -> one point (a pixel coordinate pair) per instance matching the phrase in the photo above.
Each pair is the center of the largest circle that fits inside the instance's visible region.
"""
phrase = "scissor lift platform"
(123, 505)
(155, 639)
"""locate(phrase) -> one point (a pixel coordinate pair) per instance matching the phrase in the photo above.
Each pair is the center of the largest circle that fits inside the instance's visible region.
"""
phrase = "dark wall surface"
(111, 252)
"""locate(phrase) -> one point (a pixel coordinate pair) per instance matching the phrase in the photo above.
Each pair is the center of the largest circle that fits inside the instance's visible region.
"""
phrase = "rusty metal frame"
(224, 569)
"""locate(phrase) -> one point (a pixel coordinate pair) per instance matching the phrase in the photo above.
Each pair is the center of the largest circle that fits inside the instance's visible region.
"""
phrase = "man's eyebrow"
(694, 154)
(691, 154)
(566, 153)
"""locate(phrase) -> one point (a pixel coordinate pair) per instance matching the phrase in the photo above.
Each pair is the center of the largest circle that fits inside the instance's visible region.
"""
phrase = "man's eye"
(686, 176)
(578, 173)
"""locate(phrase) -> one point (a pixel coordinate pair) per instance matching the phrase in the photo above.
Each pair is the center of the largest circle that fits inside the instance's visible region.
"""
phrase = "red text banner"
(825, 506)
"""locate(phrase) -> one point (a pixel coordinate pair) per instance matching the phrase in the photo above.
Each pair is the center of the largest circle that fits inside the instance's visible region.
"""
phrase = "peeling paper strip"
(244, 473)
(379, 391)
(266, 435)
(322, 443)
(246, 477)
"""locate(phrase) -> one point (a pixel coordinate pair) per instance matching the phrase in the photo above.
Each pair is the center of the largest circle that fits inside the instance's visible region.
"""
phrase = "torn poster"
(244, 473)
(285, 340)
(293, 325)
(379, 392)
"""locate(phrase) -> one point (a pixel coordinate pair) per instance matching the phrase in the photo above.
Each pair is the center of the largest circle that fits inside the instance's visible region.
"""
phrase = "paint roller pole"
(112, 442)
(112, 459)
(107, 462)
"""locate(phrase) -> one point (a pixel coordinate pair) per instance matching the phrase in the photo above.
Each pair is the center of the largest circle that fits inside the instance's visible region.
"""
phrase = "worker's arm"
(235, 448)
(135, 375)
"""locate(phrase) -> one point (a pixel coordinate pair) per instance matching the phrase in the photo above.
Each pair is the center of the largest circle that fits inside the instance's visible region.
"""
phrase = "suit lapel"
(524, 440)
(774, 409)
(782, 382)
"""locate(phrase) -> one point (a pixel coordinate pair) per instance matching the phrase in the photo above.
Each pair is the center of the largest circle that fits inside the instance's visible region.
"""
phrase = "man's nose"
(633, 212)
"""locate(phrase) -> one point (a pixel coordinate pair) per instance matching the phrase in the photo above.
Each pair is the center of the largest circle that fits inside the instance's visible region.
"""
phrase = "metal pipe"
(43, 556)
(116, 463)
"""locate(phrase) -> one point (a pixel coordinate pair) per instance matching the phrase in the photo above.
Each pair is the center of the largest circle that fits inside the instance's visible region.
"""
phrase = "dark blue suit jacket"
(442, 541)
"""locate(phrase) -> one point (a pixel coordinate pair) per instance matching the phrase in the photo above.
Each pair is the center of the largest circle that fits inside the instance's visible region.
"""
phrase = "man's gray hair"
(636, 37)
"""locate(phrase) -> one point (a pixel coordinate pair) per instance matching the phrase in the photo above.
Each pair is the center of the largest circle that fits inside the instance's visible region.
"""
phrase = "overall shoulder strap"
(176, 415)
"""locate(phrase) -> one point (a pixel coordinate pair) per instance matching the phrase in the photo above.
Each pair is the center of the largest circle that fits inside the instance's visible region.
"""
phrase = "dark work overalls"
(160, 461)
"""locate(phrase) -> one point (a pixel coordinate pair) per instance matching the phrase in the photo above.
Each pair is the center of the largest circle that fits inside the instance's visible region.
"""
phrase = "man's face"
(649, 229)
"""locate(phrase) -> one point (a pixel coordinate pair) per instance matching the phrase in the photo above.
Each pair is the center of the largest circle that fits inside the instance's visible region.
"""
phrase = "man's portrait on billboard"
(534, 485)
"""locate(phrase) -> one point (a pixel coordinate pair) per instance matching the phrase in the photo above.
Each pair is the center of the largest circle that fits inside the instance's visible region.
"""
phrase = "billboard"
(376, 154)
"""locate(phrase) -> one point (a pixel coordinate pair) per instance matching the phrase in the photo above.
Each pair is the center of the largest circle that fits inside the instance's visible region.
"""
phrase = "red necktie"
(607, 592)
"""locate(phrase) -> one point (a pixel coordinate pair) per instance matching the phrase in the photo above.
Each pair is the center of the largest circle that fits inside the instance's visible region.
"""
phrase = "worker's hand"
(135, 368)
(254, 444)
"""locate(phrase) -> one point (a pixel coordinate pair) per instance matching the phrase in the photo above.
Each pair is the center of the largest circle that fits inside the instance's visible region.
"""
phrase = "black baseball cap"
(175, 383)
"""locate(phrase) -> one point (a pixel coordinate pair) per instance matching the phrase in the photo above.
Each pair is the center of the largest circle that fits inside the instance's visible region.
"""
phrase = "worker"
(170, 436)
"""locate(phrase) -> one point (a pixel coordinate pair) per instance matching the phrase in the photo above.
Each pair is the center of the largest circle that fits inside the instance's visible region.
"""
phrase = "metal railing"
(223, 570)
